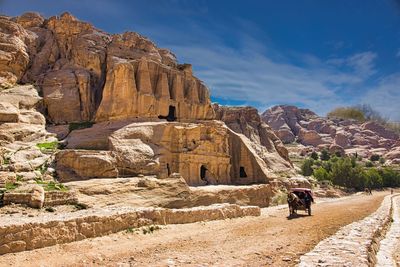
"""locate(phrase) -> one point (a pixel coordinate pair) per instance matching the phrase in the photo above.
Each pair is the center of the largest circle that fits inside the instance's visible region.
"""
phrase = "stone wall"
(34, 233)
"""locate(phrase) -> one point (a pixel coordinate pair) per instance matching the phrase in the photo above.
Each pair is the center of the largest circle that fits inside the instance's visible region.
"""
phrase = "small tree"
(306, 167)
(314, 155)
(325, 155)
(374, 177)
(321, 174)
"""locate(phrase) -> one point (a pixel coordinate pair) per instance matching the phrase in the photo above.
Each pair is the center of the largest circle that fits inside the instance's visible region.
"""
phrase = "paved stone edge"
(355, 244)
(386, 253)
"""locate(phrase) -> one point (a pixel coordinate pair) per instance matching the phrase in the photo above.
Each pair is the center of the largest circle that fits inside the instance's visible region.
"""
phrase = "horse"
(294, 202)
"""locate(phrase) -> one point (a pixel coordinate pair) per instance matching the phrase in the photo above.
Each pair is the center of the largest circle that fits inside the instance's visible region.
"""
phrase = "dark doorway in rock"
(168, 170)
(242, 172)
(171, 114)
(203, 171)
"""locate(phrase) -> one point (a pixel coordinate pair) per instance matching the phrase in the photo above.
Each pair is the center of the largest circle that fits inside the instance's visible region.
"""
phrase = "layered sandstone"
(247, 121)
(86, 74)
(203, 153)
(50, 230)
(345, 136)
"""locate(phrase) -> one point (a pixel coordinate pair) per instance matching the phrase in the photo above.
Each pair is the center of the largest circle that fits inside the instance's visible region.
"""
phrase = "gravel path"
(269, 240)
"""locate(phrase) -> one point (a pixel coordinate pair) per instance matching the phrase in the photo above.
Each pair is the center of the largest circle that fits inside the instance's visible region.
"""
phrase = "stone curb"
(385, 255)
(355, 244)
(48, 231)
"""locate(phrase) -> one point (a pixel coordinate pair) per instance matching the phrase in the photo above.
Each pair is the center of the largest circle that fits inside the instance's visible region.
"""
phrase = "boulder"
(29, 194)
(379, 130)
(72, 165)
(342, 140)
(309, 137)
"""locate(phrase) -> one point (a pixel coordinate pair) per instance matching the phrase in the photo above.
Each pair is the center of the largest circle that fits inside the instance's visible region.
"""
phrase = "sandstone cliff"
(86, 74)
(125, 93)
(247, 121)
(345, 136)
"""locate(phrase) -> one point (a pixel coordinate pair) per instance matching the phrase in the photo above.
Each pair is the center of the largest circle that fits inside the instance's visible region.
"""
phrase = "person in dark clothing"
(308, 199)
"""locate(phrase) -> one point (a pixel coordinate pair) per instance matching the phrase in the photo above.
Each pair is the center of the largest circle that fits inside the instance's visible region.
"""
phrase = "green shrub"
(374, 178)
(382, 160)
(150, 229)
(314, 155)
(390, 177)
(369, 164)
(325, 155)
(321, 174)
(341, 171)
(306, 167)
(52, 186)
(48, 146)
(374, 157)
(80, 125)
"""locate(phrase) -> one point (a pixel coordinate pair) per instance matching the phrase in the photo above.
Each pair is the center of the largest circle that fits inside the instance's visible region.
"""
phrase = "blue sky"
(310, 53)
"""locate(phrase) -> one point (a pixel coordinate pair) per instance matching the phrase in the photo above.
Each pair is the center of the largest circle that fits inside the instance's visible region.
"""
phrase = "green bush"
(321, 174)
(341, 171)
(325, 155)
(48, 146)
(348, 172)
(390, 177)
(374, 157)
(314, 155)
(374, 178)
(369, 164)
(306, 167)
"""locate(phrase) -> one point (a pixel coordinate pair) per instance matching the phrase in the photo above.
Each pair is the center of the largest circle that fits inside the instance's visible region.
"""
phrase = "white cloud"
(255, 73)
(362, 64)
(385, 97)
(253, 77)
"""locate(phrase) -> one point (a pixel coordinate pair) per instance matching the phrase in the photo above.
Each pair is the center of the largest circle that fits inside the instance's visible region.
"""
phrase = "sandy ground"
(271, 239)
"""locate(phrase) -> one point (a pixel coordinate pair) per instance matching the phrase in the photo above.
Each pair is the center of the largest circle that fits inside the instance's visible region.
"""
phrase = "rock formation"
(203, 153)
(345, 136)
(86, 74)
(119, 107)
(247, 121)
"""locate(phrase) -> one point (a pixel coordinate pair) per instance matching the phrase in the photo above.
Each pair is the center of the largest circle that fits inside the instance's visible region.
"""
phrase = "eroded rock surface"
(203, 153)
(344, 136)
(247, 121)
(86, 74)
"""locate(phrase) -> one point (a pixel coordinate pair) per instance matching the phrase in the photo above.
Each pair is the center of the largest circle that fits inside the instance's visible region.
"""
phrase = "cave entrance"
(171, 114)
(203, 171)
(168, 170)
(242, 172)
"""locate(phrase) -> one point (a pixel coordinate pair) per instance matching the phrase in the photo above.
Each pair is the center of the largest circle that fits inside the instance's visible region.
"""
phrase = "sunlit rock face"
(86, 74)
(141, 112)
(292, 124)
(203, 153)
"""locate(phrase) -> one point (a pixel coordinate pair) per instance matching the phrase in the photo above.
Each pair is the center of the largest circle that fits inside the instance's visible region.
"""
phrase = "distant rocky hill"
(292, 124)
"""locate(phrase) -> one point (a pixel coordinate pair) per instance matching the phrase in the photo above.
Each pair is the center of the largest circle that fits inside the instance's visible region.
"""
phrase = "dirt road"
(271, 239)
